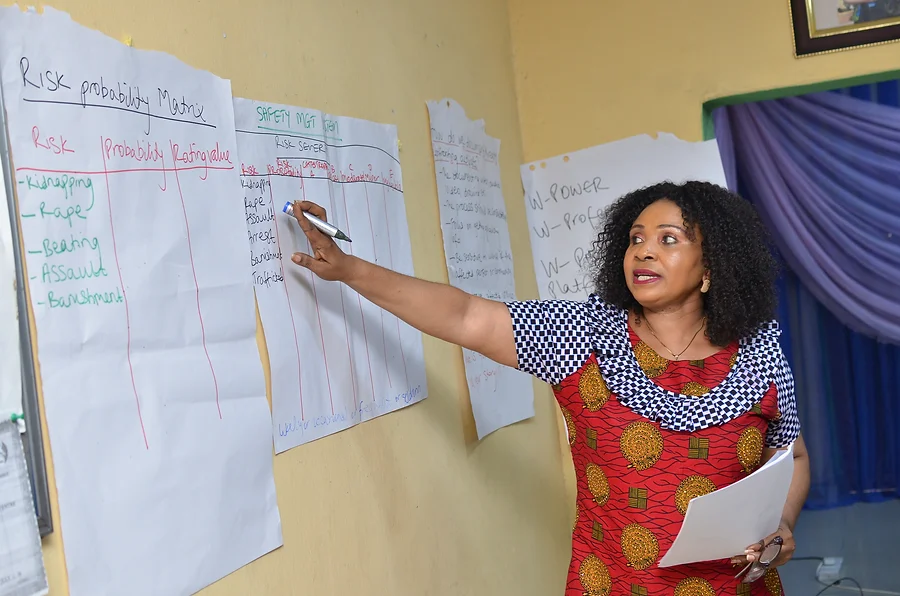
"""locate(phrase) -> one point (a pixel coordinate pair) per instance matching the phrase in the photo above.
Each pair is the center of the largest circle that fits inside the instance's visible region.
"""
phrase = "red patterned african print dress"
(635, 480)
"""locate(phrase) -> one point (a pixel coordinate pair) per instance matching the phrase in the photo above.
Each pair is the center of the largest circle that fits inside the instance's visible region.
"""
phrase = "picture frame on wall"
(822, 26)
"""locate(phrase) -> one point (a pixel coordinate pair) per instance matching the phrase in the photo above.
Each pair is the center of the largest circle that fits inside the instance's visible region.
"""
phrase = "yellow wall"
(592, 72)
(407, 504)
(410, 504)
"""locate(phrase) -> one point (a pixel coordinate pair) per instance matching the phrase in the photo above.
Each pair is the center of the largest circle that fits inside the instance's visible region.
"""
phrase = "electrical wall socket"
(829, 569)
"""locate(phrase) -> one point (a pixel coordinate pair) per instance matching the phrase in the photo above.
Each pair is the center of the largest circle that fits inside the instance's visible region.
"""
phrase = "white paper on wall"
(136, 253)
(336, 359)
(478, 251)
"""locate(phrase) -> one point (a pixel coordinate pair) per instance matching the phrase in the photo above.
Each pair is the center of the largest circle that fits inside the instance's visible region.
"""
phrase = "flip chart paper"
(10, 362)
(723, 523)
(479, 256)
(566, 196)
(336, 359)
(139, 279)
(21, 559)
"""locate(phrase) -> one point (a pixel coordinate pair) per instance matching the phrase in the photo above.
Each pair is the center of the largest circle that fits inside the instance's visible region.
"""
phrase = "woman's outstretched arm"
(440, 310)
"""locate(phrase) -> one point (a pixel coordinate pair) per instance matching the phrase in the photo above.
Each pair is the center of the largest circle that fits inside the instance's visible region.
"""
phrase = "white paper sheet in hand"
(136, 253)
(479, 256)
(565, 198)
(315, 328)
(723, 523)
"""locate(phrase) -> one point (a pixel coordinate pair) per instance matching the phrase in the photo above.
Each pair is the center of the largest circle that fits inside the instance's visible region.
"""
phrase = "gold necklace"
(678, 355)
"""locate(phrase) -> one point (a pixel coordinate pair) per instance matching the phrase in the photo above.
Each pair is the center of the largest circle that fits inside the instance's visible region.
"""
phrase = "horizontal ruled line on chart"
(324, 137)
(78, 104)
(125, 171)
(325, 178)
(453, 163)
(293, 134)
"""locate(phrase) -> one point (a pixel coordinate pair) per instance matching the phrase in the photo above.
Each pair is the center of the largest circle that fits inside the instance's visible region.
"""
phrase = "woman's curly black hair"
(742, 270)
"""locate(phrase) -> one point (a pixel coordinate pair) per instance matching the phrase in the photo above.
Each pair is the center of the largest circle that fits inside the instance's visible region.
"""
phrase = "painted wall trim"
(708, 106)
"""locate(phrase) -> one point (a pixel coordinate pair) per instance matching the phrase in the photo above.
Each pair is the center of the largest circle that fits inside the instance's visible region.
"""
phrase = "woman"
(670, 378)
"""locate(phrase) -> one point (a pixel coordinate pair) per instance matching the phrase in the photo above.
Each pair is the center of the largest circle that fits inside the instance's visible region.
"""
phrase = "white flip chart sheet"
(336, 359)
(136, 254)
(478, 252)
(566, 196)
(10, 357)
(723, 523)
(21, 559)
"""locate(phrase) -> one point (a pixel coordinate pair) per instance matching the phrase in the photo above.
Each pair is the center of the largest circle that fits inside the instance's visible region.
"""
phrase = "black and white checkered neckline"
(759, 364)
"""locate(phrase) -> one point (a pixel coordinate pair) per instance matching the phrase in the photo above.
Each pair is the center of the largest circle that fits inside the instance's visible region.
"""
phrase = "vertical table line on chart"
(287, 295)
(359, 301)
(331, 206)
(112, 231)
(187, 228)
(312, 280)
(387, 224)
(165, 185)
(380, 310)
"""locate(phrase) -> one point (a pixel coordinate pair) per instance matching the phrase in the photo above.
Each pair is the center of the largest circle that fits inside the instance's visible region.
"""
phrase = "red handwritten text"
(196, 155)
(55, 145)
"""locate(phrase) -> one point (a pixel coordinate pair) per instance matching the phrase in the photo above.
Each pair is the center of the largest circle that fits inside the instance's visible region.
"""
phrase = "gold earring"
(705, 287)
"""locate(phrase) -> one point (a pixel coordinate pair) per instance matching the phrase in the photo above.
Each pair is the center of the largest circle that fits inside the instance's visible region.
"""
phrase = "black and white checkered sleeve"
(786, 428)
(553, 338)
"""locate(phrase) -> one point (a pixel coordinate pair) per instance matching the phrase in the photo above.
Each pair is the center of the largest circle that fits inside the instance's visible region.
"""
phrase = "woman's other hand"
(754, 551)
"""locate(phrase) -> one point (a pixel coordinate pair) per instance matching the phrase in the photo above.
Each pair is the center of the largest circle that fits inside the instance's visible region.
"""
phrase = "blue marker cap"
(288, 208)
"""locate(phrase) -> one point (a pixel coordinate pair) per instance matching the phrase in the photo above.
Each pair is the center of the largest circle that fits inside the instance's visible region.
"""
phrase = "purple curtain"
(824, 172)
(848, 383)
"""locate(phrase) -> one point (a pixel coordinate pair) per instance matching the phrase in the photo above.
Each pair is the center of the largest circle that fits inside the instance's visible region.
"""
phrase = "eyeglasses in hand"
(756, 569)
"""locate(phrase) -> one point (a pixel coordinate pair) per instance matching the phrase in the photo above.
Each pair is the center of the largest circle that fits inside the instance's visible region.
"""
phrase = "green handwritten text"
(276, 115)
(67, 183)
(68, 245)
(57, 273)
(84, 298)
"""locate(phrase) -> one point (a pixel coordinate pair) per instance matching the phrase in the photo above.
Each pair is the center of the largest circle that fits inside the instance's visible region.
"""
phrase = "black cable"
(832, 584)
(837, 582)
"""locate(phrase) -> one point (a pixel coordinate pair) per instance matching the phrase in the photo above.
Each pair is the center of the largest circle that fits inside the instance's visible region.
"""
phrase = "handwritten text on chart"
(47, 84)
(479, 272)
(338, 359)
(70, 260)
(71, 265)
(455, 141)
(363, 411)
(476, 221)
(260, 208)
(317, 168)
(571, 275)
(478, 251)
(292, 120)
